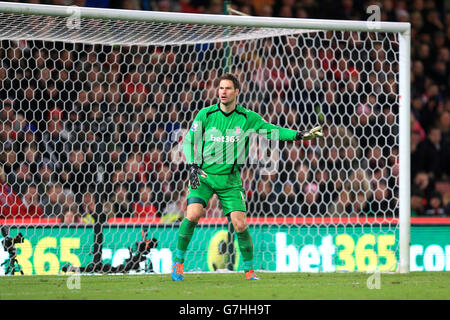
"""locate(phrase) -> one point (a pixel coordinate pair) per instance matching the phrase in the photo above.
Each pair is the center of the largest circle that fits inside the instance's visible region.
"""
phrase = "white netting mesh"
(113, 32)
(89, 128)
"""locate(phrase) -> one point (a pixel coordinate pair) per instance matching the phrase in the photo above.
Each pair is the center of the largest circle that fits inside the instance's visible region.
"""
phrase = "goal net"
(94, 111)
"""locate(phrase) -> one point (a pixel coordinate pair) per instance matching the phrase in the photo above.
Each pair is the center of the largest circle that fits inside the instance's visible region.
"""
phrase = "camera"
(138, 253)
(9, 245)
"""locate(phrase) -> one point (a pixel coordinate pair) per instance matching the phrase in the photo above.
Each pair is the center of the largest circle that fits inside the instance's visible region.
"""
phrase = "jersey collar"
(226, 114)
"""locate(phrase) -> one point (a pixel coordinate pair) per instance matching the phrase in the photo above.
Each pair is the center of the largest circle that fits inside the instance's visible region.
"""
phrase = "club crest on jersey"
(237, 130)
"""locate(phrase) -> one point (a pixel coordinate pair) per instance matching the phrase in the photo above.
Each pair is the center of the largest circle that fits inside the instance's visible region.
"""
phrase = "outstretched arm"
(283, 133)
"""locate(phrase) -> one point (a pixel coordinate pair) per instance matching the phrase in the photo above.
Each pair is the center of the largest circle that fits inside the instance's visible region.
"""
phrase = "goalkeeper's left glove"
(194, 172)
(311, 134)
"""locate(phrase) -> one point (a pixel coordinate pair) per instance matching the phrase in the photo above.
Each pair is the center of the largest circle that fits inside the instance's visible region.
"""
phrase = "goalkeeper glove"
(194, 172)
(308, 135)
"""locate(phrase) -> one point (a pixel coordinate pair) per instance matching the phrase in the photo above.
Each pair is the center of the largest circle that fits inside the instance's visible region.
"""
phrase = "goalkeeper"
(215, 148)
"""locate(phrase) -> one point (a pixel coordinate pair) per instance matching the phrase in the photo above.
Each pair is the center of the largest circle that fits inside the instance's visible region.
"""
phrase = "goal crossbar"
(205, 19)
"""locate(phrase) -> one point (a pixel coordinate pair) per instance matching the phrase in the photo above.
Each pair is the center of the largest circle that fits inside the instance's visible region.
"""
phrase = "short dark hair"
(229, 76)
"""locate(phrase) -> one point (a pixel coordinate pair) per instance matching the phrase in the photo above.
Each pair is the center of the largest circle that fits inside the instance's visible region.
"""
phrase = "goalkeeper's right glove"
(194, 172)
(311, 134)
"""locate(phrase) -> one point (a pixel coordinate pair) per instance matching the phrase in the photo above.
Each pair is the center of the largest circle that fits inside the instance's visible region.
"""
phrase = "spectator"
(153, 159)
(55, 141)
(447, 209)
(264, 201)
(121, 205)
(118, 177)
(423, 183)
(163, 187)
(432, 23)
(87, 208)
(341, 205)
(303, 175)
(444, 126)
(80, 174)
(188, 6)
(377, 162)
(175, 210)
(382, 203)
(44, 178)
(312, 204)
(432, 100)
(416, 126)
(70, 215)
(31, 207)
(131, 137)
(7, 113)
(288, 200)
(53, 201)
(429, 154)
(215, 7)
(134, 83)
(264, 10)
(10, 202)
(291, 158)
(326, 185)
(31, 156)
(416, 106)
(7, 136)
(134, 175)
(164, 5)
(248, 178)
(435, 206)
(20, 178)
(418, 201)
(173, 123)
(418, 77)
(144, 207)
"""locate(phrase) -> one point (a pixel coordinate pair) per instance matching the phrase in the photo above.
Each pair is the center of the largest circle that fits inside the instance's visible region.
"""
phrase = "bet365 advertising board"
(286, 248)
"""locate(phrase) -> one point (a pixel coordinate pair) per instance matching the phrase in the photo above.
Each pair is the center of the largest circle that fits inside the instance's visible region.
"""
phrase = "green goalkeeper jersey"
(219, 142)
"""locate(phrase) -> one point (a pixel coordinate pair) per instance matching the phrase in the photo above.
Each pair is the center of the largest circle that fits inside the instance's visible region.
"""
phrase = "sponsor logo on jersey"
(224, 138)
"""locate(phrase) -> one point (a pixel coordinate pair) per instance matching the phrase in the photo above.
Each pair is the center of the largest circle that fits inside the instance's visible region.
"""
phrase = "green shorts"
(228, 188)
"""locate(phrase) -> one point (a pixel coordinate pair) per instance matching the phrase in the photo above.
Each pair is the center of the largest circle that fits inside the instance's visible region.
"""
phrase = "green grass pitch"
(231, 286)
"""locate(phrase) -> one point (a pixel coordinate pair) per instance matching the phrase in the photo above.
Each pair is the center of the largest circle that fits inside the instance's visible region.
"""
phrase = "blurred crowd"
(84, 127)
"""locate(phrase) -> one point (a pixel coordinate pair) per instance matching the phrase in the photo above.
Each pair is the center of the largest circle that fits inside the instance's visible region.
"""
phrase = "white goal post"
(30, 23)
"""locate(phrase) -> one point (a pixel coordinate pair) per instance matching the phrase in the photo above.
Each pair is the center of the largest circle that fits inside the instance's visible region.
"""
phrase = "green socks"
(187, 230)
(246, 248)
(184, 237)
